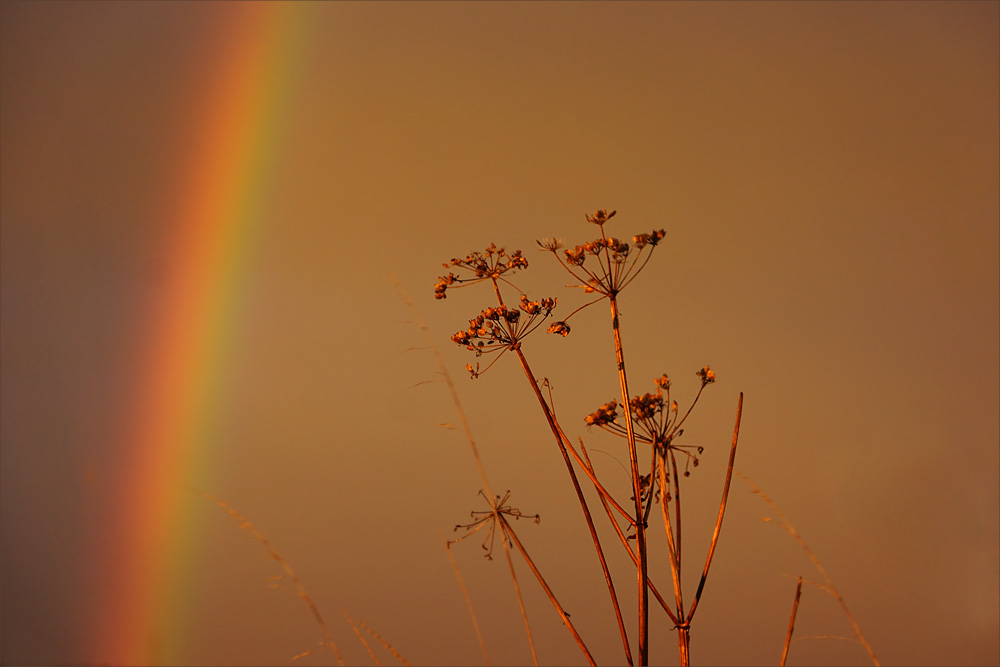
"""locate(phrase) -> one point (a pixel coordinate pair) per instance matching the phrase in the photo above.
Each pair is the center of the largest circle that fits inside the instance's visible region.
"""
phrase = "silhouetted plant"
(605, 267)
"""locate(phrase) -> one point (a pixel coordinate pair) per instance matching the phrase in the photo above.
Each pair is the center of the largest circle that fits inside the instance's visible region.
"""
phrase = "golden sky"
(828, 176)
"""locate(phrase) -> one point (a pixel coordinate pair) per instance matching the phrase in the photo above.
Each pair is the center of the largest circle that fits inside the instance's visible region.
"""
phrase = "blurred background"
(828, 175)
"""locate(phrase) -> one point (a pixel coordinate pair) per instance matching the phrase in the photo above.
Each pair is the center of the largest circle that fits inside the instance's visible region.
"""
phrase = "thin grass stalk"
(451, 386)
(508, 531)
(853, 640)
(465, 423)
(791, 622)
(362, 639)
(640, 529)
(384, 643)
(831, 589)
(299, 588)
(468, 601)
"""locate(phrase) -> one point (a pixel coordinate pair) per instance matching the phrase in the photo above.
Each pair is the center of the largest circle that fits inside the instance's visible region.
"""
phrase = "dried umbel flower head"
(490, 264)
(654, 416)
(560, 328)
(606, 414)
(501, 328)
(600, 217)
(608, 264)
(490, 520)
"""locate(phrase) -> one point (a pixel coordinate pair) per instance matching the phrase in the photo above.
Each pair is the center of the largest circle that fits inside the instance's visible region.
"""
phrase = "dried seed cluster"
(614, 262)
(654, 415)
(500, 327)
(490, 264)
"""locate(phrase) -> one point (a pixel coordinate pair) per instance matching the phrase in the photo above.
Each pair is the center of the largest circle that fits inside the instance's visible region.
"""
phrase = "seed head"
(600, 217)
(560, 328)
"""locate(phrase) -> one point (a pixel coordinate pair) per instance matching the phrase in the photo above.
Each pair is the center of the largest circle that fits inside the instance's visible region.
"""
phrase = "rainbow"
(213, 214)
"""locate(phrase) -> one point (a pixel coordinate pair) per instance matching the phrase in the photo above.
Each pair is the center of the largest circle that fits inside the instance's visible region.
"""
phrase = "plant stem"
(576, 485)
(491, 498)
(583, 502)
(628, 547)
(791, 623)
(830, 588)
(722, 510)
(640, 529)
(672, 551)
(508, 531)
(520, 600)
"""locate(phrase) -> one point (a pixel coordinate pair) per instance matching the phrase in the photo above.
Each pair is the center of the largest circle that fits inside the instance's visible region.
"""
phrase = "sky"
(214, 215)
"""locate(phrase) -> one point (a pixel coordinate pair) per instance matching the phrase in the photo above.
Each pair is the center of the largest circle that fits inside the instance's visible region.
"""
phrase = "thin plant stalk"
(830, 588)
(491, 497)
(628, 547)
(508, 531)
(556, 431)
(671, 546)
(589, 470)
(791, 622)
(361, 637)
(468, 601)
(520, 604)
(640, 529)
(684, 629)
(677, 508)
(299, 588)
(384, 643)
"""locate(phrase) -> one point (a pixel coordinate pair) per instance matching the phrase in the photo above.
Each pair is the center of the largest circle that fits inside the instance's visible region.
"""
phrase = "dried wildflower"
(707, 375)
(501, 328)
(489, 518)
(559, 328)
(600, 217)
(442, 284)
(490, 264)
(615, 263)
(654, 416)
(550, 244)
(605, 414)
(575, 256)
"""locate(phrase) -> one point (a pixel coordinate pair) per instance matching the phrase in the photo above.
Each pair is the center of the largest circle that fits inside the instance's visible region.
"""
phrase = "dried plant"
(603, 267)
(652, 425)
